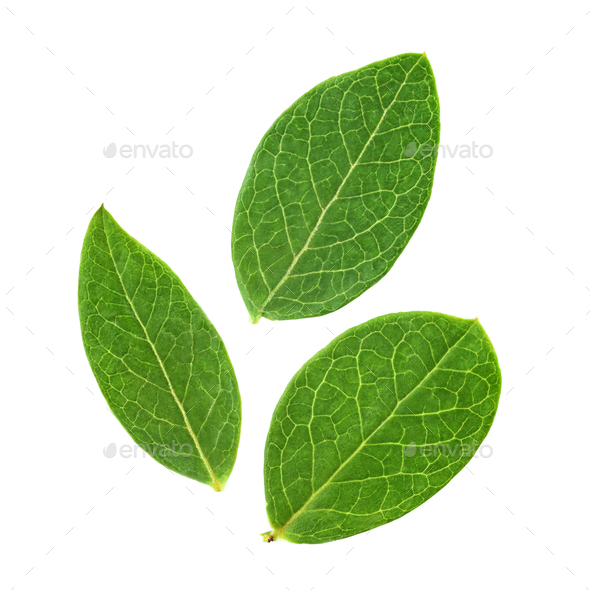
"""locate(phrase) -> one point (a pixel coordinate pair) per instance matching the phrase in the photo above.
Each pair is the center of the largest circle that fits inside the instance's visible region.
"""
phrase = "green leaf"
(376, 423)
(158, 360)
(336, 189)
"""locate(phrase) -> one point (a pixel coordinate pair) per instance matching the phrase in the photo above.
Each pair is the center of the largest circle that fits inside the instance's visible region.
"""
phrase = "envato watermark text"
(446, 151)
(132, 451)
(141, 150)
(448, 450)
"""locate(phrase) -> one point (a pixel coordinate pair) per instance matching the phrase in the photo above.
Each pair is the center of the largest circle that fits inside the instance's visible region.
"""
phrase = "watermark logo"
(133, 451)
(141, 150)
(448, 450)
(464, 150)
(110, 151)
(110, 450)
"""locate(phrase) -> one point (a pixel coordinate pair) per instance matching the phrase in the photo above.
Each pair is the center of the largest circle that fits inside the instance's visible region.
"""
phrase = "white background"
(504, 238)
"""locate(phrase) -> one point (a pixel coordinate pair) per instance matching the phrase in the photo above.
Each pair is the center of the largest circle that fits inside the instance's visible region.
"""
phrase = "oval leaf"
(158, 360)
(376, 423)
(335, 189)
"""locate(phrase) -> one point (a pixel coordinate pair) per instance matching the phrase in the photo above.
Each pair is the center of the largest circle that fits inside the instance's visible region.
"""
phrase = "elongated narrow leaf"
(336, 189)
(376, 423)
(158, 360)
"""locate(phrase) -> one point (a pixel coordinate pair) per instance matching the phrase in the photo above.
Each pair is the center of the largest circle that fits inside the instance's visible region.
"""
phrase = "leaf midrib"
(279, 531)
(334, 198)
(216, 484)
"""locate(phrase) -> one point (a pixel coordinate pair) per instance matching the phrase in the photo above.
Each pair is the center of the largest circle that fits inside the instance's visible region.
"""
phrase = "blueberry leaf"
(336, 189)
(376, 423)
(157, 358)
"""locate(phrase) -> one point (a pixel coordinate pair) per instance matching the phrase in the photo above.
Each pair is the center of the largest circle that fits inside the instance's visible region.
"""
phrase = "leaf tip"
(100, 212)
(254, 319)
(217, 485)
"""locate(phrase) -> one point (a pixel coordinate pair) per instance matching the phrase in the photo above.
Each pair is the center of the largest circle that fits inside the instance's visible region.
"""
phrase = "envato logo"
(445, 449)
(145, 151)
(462, 151)
(129, 451)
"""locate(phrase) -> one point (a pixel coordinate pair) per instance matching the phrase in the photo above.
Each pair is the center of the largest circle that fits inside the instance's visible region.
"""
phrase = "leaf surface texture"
(352, 440)
(336, 189)
(157, 358)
